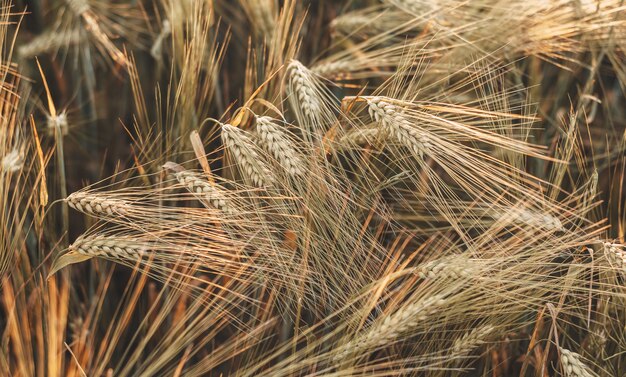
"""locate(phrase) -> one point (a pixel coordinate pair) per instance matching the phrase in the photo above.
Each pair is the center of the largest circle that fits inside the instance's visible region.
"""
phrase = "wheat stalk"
(390, 117)
(248, 159)
(573, 365)
(276, 141)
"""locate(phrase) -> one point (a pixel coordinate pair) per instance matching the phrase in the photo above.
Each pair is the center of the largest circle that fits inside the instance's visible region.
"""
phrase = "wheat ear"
(249, 161)
(391, 119)
(403, 321)
(573, 365)
(615, 254)
(447, 268)
(96, 204)
(206, 192)
(13, 161)
(471, 340)
(49, 41)
(330, 69)
(157, 46)
(78, 6)
(58, 121)
(276, 141)
(300, 79)
(108, 247)
(533, 219)
(82, 9)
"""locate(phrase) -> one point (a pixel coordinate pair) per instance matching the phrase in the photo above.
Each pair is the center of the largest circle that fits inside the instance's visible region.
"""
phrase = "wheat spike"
(573, 365)
(300, 79)
(97, 204)
(60, 121)
(78, 6)
(447, 268)
(206, 192)
(243, 149)
(392, 327)
(49, 41)
(533, 219)
(331, 69)
(108, 247)
(615, 254)
(157, 46)
(12, 161)
(276, 141)
(397, 125)
(92, 24)
(471, 340)
(359, 137)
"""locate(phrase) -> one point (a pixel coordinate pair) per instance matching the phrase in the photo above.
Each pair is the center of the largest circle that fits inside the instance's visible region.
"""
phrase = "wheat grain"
(246, 156)
(390, 117)
(471, 340)
(573, 365)
(276, 141)
(13, 161)
(109, 247)
(96, 204)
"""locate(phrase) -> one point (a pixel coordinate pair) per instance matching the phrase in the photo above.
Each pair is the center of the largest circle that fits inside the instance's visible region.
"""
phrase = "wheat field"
(313, 188)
